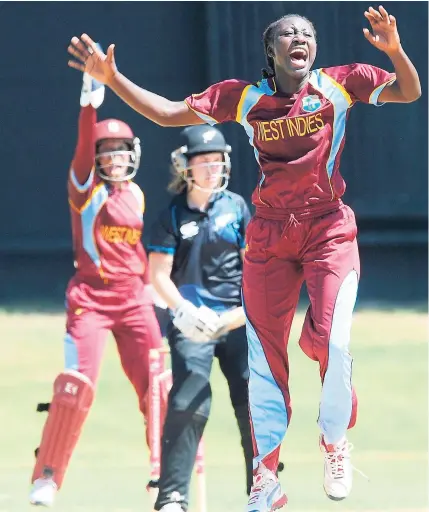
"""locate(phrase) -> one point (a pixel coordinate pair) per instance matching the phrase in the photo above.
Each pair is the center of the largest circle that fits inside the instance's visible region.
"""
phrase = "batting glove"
(196, 324)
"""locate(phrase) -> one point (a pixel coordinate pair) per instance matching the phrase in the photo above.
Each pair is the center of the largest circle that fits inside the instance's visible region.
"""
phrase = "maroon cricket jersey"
(107, 222)
(297, 139)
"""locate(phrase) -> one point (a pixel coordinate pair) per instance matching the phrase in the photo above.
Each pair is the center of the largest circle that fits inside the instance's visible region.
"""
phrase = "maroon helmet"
(115, 129)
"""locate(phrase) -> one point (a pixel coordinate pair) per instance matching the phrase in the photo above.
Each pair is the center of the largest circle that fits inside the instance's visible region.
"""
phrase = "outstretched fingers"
(372, 39)
(375, 14)
(384, 14)
(90, 44)
(370, 18)
(79, 46)
(76, 65)
(392, 20)
(77, 50)
(76, 53)
(81, 49)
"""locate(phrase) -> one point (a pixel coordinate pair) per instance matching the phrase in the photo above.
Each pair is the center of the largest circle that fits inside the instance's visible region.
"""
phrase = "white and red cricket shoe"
(266, 494)
(338, 477)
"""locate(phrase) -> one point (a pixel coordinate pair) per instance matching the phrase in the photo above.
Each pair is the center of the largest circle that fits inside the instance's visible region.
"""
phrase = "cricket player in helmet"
(109, 291)
(196, 249)
(200, 140)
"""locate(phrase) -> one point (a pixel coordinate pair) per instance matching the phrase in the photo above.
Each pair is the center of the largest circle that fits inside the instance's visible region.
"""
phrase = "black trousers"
(189, 407)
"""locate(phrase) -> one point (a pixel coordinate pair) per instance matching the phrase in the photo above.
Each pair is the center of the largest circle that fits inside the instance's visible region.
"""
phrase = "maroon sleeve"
(84, 156)
(363, 82)
(219, 102)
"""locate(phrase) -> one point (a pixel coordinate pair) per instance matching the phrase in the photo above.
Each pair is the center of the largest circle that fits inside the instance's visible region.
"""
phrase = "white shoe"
(266, 494)
(171, 507)
(43, 492)
(338, 478)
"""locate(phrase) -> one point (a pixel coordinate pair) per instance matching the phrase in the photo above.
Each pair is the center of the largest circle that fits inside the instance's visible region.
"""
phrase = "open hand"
(384, 34)
(90, 59)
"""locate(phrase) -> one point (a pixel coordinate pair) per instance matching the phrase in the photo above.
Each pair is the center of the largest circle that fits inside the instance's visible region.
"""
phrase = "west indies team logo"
(311, 103)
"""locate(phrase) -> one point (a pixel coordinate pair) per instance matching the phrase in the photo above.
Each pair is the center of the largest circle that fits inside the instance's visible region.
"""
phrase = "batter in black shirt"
(196, 249)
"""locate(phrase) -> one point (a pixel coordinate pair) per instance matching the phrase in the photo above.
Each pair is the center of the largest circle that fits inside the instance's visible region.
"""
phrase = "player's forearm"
(407, 78)
(84, 155)
(158, 109)
(166, 289)
(234, 318)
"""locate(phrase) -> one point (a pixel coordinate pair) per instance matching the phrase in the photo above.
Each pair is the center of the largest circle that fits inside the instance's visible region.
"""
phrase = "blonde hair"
(177, 182)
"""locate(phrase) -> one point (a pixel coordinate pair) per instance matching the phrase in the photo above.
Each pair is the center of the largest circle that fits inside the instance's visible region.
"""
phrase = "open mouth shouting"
(298, 57)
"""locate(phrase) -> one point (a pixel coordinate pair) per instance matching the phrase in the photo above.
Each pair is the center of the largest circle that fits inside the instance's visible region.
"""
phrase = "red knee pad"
(73, 396)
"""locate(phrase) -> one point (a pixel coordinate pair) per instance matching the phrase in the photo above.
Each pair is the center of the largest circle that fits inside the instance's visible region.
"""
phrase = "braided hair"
(268, 38)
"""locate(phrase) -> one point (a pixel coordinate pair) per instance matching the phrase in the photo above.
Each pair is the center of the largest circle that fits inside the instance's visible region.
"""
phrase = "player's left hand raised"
(384, 34)
(90, 59)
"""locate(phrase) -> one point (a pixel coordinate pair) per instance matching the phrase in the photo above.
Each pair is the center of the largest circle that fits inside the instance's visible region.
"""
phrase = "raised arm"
(102, 67)
(83, 160)
(91, 97)
(385, 37)
(158, 109)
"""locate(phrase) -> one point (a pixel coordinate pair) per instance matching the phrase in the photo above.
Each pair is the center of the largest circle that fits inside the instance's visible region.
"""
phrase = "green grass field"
(109, 470)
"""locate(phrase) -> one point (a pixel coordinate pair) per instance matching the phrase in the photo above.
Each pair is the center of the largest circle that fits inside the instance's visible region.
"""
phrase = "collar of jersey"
(270, 85)
(215, 197)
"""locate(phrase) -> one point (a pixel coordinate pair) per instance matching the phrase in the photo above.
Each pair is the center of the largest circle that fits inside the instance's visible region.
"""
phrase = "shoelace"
(259, 484)
(336, 458)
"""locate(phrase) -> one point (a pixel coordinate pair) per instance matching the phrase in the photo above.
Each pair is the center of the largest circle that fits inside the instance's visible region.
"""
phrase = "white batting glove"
(222, 329)
(197, 324)
(210, 323)
(92, 91)
(186, 318)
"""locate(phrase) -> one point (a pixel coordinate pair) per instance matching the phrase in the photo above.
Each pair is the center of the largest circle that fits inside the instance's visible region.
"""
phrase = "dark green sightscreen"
(174, 49)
